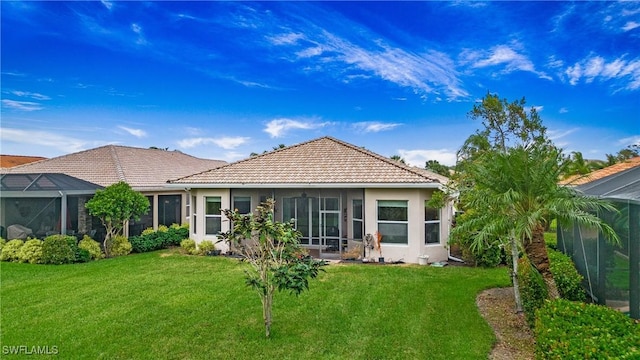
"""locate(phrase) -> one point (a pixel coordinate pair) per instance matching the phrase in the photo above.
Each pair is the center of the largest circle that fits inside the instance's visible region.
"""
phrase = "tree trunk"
(536, 250)
(514, 274)
(267, 300)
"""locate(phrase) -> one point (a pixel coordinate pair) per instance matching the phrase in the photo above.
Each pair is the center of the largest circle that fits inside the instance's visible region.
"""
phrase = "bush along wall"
(568, 279)
(164, 237)
(533, 289)
(574, 330)
(54, 249)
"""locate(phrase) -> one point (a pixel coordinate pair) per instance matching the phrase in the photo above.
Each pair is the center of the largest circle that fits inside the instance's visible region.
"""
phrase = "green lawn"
(170, 306)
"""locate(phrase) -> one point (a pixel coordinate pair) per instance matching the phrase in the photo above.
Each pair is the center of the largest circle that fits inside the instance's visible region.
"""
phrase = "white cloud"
(342, 56)
(630, 25)
(594, 67)
(137, 29)
(107, 4)
(563, 110)
(632, 140)
(32, 95)
(21, 105)
(419, 157)
(279, 127)
(559, 134)
(61, 143)
(285, 39)
(135, 132)
(227, 143)
(374, 126)
(505, 56)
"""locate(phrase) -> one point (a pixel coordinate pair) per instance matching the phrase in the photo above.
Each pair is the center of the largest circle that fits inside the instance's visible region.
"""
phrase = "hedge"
(574, 330)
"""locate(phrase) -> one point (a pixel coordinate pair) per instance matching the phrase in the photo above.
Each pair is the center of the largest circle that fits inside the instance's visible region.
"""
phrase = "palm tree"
(514, 193)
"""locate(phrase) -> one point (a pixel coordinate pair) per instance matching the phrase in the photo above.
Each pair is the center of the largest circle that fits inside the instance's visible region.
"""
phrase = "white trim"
(433, 185)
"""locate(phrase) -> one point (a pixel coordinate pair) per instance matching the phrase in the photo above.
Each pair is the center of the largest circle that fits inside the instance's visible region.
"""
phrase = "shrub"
(151, 240)
(568, 280)
(188, 246)
(82, 255)
(573, 330)
(491, 255)
(11, 250)
(59, 249)
(551, 240)
(145, 243)
(205, 247)
(533, 290)
(31, 252)
(177, 233)
(118, 246)
(2, 242)
(91, 246)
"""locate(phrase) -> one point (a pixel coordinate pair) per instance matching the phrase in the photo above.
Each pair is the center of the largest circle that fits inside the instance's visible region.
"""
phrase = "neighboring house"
(611, 271)
(580, 179)
(7, 161)
(145, 170)
(335, 192)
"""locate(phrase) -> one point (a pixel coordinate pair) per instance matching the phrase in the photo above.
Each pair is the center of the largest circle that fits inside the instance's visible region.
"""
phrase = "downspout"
(451, 257)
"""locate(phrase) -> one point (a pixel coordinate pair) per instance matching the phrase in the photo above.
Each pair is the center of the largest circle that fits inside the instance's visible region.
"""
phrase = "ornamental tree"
(115, 205)
(274, 252)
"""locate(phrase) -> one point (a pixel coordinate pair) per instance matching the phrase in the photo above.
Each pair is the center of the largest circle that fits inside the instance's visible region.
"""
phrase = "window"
(431, 225)
(187, 207)
(357, 219)
(242, 204)
(213, 216)
(393, 221)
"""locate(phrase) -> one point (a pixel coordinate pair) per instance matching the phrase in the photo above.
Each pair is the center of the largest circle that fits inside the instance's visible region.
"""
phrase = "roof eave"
(433, 185)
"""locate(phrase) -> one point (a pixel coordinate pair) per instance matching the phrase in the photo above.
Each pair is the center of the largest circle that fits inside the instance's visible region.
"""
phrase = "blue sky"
(222, 80)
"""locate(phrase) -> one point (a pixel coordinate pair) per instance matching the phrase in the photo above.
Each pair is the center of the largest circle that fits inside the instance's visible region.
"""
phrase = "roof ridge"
(383, 158)
(116, 160)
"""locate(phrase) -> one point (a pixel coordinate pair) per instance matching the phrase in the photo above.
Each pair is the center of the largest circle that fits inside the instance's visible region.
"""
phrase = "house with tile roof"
(581, 179)
(145, 170)
(611, 269)
(336, 193)
(7, 161)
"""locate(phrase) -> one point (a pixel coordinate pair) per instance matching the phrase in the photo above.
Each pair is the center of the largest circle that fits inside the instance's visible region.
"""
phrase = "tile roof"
(601, 173)
(321, 161)
(7, 161)
(143, 169)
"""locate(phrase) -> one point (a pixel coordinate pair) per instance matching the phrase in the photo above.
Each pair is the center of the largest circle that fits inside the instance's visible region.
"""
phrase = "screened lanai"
(611, 271)
(38, 205)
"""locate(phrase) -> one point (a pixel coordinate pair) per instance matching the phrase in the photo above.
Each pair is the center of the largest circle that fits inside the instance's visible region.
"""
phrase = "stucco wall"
(416, 234)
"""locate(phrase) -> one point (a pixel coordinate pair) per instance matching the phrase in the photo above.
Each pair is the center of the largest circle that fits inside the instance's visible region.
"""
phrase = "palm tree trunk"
(536, 250)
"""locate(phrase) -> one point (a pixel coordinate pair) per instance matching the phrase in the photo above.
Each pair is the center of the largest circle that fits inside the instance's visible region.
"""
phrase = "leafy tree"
(507, 124)
(397, 158)
(627, 153)
(115, 205)
(509, 179)
(273, 250)
(436, 167)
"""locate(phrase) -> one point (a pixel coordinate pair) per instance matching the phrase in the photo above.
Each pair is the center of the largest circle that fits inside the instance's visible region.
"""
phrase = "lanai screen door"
(318, 220)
